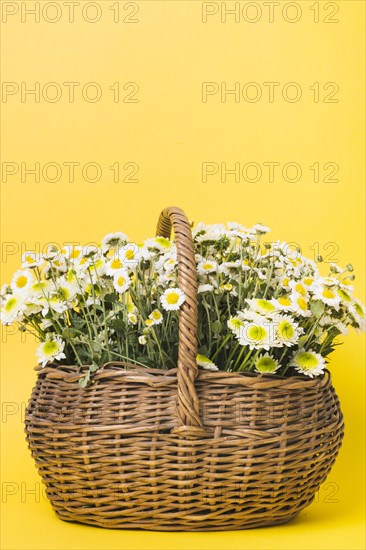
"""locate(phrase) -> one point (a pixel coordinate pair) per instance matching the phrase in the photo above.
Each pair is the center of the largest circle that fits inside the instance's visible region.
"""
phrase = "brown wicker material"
(177, 449)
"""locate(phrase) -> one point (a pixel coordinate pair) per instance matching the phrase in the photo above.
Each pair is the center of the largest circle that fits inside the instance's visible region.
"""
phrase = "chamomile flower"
(51, 350)
(256, 335)
(172, 299)
(132, 318)
(159, 243)
(204, 288)
(12, 308)
(121, 281)
(284, 303)
(149, 322)
(206, 266)
(357, 311)
(328, 295)
(72, 252)
(206, 363)
(308, 362)
(114, 265)
(22, 281)
(142, 340)
(287, 331)
(211, 233)
(261, 229)
(299, 288)
(235, 324)
(266, 364)
(67, 291)
(300, 305)
(130, 255)
(31, 259)
(156, 316)
(344, 295)
(113, 240)
(264, 307)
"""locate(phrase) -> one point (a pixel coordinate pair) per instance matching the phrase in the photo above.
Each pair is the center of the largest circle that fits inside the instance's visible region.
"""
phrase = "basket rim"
(159, 376)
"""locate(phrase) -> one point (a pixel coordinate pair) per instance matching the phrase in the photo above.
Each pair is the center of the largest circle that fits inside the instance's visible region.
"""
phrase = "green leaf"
(216, 327)
(317, 308)
(110, 298)
(83, 382)
(70, 332)
(302, 340)
(94, 367)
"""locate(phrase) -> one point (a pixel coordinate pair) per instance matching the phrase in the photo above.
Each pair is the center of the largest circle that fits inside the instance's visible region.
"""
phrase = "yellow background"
(169, 133)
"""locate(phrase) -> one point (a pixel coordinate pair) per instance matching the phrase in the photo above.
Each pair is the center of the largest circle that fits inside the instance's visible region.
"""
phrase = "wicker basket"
(177, 449)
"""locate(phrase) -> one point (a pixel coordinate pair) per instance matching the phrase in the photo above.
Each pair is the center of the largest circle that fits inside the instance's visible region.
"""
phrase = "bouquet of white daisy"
(262, 307)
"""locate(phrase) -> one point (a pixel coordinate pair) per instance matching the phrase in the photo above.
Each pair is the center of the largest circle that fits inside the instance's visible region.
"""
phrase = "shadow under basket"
(181, 450)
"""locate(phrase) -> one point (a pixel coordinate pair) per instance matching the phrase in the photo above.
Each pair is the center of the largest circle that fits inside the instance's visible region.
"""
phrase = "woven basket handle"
(189, 421)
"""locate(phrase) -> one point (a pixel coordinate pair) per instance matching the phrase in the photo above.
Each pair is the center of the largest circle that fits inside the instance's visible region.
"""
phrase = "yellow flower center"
(284, 301)
(300, 289)
(172, 298)
(75, 254)
(302, 303)
(257, 333)
(121, 281)
(10, 304)
(21, 281)
(116, 263)
(286, 330)
(130, 254)
(50, 348)
(328, 293)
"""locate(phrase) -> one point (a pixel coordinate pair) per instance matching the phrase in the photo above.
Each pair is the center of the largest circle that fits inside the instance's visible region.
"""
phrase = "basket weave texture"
(180, 449)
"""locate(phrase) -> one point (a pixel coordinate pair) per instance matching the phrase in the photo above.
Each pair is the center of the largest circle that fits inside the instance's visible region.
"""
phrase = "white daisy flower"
(31, 259)
(67, 290)
(257, 335)
(344, 295)
(309, 283)
(72, 252)
(300, 305)
(266, 364)
(39, 289)
(206, 266)
(264, 307)
(284, 303)
(204, 288)
(159, 243)
(22, 281)
(113, 265)
(172, 299)
(299, 288)
(12, 309)
(97, 268)
(121, 281)
(211, 232)
(287, 331)
(132, 318)
(328, 296)
(308, 362)
(206, 363)
(142, 340)
(113, 240)
(156, 317)
(357, 311)
(53, 303)
(261, 229)
(327, 281)
(51, 350)
(130, 255)
(235, 324)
